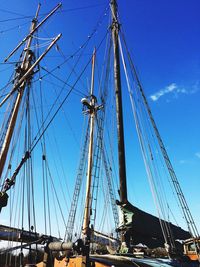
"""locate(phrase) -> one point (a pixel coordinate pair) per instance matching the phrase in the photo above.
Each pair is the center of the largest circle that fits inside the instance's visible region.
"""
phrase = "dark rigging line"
(59, 86)
(61, 80)
(185, 209)
(90, 36)
(65, 57)
(80, 8)
(60, 157)
(72, 68)
(56, 195)
(43, 14)
(15, 27)
(15, 19)
(36, 140)
(11, 12)
(10, 62)
(5, 86)
(5, 69)
(62, 103)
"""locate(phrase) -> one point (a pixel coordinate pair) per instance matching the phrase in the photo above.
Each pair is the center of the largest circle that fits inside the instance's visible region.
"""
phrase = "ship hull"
(118, 261)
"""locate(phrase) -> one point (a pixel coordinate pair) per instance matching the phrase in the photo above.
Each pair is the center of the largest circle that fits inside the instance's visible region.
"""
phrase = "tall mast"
(23, 76)
(26, 63)
(92, 111)
(118, 96)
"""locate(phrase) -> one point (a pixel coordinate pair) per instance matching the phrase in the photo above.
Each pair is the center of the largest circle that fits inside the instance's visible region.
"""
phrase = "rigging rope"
(13, 28)
(81, 170)
(145, 155)
(184, 206)
(36, 140)
(83, 45)
(61, 80)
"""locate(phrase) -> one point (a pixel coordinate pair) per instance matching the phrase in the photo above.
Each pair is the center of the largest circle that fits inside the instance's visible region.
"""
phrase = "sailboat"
(77, 245)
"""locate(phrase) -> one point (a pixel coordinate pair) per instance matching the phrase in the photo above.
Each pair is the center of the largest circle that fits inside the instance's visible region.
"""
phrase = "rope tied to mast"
(8, 183)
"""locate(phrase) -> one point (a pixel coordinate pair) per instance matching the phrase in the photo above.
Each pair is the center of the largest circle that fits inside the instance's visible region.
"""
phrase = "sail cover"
(125, 216)
(145, 228)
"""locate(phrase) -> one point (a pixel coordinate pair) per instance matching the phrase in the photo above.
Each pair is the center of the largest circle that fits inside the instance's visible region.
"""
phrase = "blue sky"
(164, 39)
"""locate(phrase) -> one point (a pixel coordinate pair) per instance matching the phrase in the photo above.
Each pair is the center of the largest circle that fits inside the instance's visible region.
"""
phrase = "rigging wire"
(57, 170)
(48, 196)
(46, 209)
(58, 153)
(97, 162)
(15, 19)
(44, 44)
(56, 195)
(186, 212)
(27, 183)
(61, 80)
(11, 62)
(78, 184)
(72, 68)
(10, 12)
(144, 153)
(10, 81)
(13, 28)
(72, 88)
(30, 16)
(14, 142)
(23, 203)
(5, 69)
(43, 148)
(157, 186)
(83, 45)
(61, 160)
(56, 215)
(36, 139)
(104, 96)
(100, 118)
(18, 194)
(184, 206)
(42, 38)
(156, 154)
(58, 175)
(45, 170)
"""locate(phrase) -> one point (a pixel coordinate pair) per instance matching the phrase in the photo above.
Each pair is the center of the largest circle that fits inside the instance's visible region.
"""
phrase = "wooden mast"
(120, 128)
(92, 111)
(25, 74)
(91, 106)
(26, 63)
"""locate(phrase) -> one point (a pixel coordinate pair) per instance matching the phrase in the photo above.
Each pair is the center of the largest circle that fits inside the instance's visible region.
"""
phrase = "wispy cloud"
(190, 160)
(197, 154)
(182, 161)
(174, 89)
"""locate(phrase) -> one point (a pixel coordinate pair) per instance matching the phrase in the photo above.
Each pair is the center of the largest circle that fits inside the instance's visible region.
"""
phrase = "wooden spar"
(86, 220)
(24, 67)
(20, 85)
(120, 127)
(30, 70)
(93, 67)
(33, 30)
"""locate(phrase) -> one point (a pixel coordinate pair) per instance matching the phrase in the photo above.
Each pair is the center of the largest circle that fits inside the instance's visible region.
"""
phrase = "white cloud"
(195, 88)
(183, 161)
(197, 154)
(168, 89)
(174, 89)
